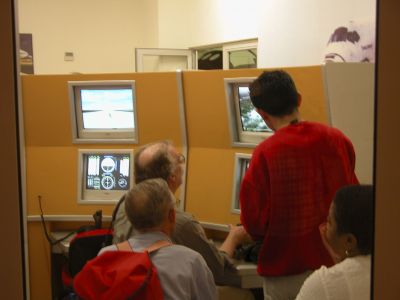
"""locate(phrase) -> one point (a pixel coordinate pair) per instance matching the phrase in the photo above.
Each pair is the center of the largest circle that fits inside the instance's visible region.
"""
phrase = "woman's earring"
(347, 253)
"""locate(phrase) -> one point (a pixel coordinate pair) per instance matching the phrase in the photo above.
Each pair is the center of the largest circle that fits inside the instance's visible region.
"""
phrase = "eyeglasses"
(181, 158)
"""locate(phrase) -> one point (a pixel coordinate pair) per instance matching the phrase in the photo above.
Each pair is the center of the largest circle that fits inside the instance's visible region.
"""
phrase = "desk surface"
(247, 271)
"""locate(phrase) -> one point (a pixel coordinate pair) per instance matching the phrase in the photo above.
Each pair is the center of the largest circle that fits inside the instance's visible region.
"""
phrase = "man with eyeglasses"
(162, 160)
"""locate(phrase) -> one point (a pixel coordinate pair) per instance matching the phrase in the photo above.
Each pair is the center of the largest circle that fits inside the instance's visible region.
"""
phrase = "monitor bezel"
(238, 173)
(240, 137)
(82, 135)
(86, 196)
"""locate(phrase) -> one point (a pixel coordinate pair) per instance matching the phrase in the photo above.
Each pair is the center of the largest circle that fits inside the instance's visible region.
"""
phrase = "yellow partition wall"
(51, 155)
(52, 158)
(211, 155)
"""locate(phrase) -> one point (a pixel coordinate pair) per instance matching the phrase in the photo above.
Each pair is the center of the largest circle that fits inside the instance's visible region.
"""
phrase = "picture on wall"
(26, 53)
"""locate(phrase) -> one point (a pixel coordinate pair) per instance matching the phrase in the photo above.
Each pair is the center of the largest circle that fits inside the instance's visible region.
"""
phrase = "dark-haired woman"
(348, 236)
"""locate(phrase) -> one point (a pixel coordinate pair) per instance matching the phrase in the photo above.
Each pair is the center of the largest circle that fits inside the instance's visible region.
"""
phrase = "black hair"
(275, 93)
(342, 34)
(354, 213)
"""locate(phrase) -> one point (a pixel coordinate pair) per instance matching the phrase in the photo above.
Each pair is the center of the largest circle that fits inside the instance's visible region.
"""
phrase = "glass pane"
(108, 120)
(107, 109)
(209, 59)
(242, 59)
(251, 120)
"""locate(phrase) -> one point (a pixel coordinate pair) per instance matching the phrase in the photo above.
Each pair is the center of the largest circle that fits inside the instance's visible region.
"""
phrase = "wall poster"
(26, 53)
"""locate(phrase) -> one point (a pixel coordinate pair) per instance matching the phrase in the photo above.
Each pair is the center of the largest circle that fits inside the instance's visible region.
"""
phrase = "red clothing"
(286, 193)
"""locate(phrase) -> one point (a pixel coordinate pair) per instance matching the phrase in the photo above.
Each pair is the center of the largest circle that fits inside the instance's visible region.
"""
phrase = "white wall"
(295, 33)
(184, 24)
(102, 34)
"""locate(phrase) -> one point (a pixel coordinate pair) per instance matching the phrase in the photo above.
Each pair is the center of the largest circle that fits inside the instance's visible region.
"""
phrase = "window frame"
(236, 46)
(226, 47)
(140, 53)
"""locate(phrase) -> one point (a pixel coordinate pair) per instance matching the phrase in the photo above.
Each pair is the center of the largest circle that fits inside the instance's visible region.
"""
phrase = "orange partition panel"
(52, 158)
(39, 263)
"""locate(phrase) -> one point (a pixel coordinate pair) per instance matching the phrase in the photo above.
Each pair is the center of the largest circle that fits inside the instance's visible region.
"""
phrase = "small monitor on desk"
(104, 175)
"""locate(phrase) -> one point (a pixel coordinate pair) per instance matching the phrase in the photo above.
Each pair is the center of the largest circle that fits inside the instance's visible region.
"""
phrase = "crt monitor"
(105, 175)
(103, 110)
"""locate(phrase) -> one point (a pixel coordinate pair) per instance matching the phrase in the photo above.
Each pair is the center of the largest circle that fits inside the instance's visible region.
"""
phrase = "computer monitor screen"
(250, 119)
(103, 111)
(107, 172)
(242, 162)
(104, 174)
(246, 126)
(107, 108)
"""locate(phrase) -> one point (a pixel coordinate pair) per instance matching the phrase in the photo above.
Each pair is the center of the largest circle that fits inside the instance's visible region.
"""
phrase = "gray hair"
(148, 203)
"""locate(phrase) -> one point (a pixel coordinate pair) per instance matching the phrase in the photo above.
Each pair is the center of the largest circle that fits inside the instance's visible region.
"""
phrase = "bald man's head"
(158, 160)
